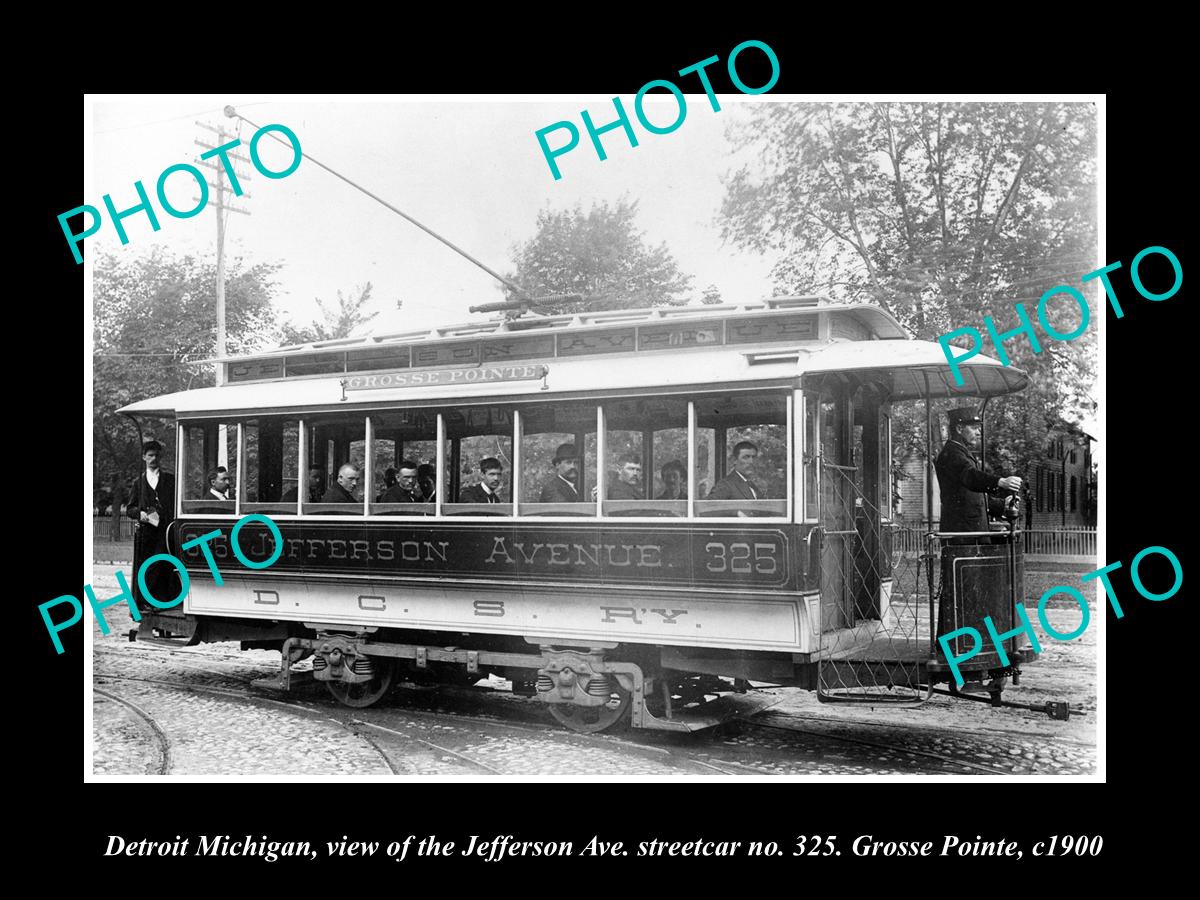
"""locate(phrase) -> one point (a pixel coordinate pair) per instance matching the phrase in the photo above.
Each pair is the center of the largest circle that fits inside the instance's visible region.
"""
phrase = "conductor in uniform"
(968, 493)
(152, 506)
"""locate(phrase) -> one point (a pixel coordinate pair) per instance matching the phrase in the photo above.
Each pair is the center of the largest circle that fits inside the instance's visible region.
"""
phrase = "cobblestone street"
(193, 711)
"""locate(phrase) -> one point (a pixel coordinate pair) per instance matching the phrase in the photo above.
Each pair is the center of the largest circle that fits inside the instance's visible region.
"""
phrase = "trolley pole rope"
(234, 114)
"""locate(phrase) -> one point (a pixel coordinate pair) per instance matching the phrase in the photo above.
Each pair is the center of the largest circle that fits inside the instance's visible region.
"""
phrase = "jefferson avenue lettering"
(680, 555)
(647, 556)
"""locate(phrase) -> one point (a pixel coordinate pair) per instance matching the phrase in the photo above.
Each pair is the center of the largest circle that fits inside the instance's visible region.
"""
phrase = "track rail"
(161, 741)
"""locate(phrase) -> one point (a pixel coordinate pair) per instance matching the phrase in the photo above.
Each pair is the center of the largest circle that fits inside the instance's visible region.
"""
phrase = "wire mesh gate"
(875, 628)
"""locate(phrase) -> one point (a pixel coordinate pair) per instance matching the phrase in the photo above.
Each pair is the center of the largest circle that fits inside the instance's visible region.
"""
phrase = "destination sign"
(438, 377)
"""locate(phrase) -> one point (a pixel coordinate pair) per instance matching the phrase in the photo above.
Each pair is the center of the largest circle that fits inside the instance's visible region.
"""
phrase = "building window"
(1074, 493)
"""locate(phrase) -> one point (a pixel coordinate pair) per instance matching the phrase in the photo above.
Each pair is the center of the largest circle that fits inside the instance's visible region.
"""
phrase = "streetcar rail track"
(725, 767)
(161, 741)
(236, 695)
(929, 754)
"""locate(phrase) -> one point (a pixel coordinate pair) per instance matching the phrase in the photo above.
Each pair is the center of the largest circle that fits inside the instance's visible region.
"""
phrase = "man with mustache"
(562, 486)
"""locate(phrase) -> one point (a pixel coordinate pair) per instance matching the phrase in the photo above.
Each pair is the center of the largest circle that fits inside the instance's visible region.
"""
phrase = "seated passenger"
(389, 482)
(737, 484)
(627, 485)
(316, 487)
(343, 490)
(427, 480)
(561, 487)
(218, 484)
(405, 489)
(488, 489)
(674, 477)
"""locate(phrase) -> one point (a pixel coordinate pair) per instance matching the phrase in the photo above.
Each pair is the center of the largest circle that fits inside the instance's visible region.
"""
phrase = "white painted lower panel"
(631, 616)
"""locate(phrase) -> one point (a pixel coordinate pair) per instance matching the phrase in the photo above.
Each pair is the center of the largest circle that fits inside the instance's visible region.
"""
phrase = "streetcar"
(726, 522)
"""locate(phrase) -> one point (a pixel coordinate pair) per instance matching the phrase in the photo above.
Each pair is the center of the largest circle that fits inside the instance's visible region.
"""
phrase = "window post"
(368, 465)
(302, 469)
(601, 461)
(518, 433)
(240, 493)
(691, 460)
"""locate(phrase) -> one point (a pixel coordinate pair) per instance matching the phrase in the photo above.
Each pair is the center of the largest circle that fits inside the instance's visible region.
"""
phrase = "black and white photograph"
(704, 433)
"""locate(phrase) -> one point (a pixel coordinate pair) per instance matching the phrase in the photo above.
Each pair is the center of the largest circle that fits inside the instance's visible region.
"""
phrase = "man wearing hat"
(562, 488)
(152, 506)
(967, 491)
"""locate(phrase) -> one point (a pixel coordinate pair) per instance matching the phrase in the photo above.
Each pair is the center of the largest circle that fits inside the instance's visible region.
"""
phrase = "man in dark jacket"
(488, 490)
(342, 491)
(562, 487)
(152, 506)
(627, 484)
(738, 485)
(967, 491)
(405, 490)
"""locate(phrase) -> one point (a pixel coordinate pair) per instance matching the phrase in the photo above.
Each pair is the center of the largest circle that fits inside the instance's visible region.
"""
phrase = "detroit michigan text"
(505, 846)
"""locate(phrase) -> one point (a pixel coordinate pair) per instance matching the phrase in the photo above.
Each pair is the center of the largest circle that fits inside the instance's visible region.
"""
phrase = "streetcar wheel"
(590, 719)
(367, 692)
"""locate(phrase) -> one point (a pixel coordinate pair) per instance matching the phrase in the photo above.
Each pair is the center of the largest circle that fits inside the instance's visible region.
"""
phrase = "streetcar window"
(334, 443)
(405, 441)
(476, 435)
(551, 482)
(749, 454)
(207, 445)
(646, 457)
(271, 459)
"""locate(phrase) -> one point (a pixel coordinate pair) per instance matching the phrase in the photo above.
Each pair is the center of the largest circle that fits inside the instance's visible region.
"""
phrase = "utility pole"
(222, 207)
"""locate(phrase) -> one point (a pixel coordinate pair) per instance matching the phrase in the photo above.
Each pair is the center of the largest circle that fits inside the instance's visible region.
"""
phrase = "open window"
(742, 454)
(405, 469)
(480, 461)
(270, 460)
(336, 451)
(558, 459)
(208, 447)
(645, 449)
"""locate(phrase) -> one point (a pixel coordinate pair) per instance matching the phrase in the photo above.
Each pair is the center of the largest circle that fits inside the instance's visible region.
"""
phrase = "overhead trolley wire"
(234, 114)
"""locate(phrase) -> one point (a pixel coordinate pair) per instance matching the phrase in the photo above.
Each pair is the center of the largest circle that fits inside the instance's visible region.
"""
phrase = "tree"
(334, 323)
(600, 254)
(155, 318)
(940, 213)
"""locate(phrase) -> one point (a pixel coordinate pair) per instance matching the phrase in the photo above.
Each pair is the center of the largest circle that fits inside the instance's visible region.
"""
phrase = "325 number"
(741, 558)
(815, 846)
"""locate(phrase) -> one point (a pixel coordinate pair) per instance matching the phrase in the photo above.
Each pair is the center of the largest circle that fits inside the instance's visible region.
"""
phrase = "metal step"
(709, 715)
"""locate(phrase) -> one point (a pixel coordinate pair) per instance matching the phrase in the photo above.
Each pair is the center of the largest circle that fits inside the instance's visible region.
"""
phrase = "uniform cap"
(965, 415)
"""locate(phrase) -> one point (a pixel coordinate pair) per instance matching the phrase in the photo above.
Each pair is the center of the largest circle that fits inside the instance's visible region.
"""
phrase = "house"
(1060, 486)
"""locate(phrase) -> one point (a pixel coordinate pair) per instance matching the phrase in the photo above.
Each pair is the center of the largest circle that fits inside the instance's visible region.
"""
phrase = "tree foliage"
(155, 318)
(941, 213)
(339, 322)
(600, 254)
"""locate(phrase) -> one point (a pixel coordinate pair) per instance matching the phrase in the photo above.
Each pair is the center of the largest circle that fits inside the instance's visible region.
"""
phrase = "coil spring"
(600, 686)
(319, 662)
(545, 683)
(362, 666)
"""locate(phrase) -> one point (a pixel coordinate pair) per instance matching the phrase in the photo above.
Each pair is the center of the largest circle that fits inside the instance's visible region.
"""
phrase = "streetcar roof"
(915, 367)
(918, 368)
